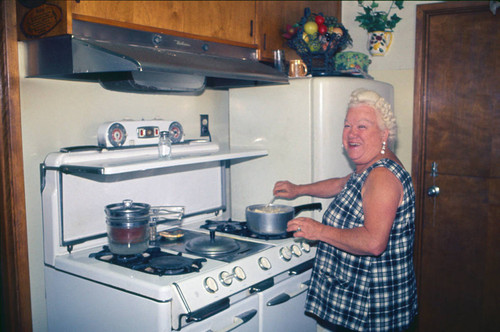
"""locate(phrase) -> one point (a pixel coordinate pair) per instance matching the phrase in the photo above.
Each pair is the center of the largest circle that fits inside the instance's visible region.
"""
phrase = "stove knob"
(306, 247)
(226, 278)
(285, 253)
(210, 285)
(264, 263)
(296, 250)
(239, 273)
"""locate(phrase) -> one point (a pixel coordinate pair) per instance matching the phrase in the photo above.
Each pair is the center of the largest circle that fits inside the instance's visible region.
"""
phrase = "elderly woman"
(363, 277)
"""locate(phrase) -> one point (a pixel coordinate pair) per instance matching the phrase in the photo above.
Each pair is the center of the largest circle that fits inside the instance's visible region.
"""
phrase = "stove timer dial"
(117, 134)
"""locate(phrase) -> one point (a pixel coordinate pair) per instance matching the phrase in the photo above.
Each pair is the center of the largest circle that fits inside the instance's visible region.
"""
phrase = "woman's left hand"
(305, 227)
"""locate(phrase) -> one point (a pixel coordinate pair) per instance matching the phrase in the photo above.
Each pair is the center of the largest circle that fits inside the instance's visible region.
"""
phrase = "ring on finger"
(298, 229)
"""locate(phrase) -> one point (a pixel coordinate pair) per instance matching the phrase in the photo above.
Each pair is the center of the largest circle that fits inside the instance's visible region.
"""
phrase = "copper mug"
(297, 68)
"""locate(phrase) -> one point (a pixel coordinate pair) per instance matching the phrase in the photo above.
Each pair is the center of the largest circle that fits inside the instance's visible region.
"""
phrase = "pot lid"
(127, 209)
(212, 245)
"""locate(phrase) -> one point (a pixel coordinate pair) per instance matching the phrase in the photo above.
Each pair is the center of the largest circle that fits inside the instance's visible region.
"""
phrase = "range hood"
(140, 61)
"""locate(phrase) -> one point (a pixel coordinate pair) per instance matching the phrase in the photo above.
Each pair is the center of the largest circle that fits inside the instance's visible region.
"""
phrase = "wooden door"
(457, 127)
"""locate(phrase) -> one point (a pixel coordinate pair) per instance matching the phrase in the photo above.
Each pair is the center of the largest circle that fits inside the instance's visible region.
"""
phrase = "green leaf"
(373, 20)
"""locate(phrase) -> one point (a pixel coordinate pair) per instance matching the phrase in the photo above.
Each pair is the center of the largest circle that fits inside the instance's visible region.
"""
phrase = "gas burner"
(153, 261)
(240, 228)
(128, 258)
(225, 226)
(176, 264)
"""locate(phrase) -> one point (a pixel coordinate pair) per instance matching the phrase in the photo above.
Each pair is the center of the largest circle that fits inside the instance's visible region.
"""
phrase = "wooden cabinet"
(230, 21)
(273, 16)
(259, 23)
(227, 20)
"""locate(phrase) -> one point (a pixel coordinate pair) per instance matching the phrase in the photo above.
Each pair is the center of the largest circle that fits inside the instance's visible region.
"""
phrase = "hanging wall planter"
(379, 42)
(379, 25)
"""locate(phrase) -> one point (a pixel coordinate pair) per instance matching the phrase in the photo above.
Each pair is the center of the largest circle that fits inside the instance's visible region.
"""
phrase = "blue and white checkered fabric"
(367, 293)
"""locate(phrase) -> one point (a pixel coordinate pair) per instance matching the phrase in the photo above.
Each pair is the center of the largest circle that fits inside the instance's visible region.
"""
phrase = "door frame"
(420, 106)
(15, 282)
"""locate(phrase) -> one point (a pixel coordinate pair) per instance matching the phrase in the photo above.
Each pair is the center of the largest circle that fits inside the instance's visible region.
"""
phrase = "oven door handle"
(283, 297)
(238, 321)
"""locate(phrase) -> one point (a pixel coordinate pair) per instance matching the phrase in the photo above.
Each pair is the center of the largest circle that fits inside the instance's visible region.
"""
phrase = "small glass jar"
(164, 145)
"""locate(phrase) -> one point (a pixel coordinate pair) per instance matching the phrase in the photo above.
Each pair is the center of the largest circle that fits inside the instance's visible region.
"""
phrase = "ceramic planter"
(379, 42)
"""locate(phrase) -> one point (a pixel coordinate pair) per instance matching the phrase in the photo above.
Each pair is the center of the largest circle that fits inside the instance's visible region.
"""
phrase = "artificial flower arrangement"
(317, 38)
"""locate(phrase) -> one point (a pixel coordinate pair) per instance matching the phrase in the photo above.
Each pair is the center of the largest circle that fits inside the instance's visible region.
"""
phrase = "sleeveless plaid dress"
(367, 293)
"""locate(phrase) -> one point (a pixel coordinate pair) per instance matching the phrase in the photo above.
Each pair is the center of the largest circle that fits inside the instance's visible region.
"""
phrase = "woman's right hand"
(286, 189)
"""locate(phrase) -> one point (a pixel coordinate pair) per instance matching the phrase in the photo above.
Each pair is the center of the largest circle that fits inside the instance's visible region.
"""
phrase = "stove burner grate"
(240, 228)
(176, 264)
(153, 261)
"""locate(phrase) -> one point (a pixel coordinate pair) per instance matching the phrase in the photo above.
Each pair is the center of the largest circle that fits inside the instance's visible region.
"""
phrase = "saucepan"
(128, 225)
(271, 219)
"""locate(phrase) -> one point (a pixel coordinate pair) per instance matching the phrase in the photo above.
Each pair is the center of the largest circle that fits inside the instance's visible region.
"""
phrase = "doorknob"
(433, 191)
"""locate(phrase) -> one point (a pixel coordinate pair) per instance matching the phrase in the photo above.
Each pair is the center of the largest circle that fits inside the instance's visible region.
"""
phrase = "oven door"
(281, 307)
(239, 317)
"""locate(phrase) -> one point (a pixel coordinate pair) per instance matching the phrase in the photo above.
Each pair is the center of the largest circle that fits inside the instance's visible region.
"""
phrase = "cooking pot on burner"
(271, 219)
(128, 225)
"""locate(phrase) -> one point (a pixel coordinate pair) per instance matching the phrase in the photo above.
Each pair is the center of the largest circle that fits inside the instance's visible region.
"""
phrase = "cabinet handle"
(283, 297)
(251, 28)
(238, 321)
(265, 41)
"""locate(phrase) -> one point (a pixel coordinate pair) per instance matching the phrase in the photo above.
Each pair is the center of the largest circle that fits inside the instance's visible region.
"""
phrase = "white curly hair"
(386, 117)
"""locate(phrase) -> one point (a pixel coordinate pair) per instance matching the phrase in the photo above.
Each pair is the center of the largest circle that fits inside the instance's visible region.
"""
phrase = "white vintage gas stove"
(177, 284)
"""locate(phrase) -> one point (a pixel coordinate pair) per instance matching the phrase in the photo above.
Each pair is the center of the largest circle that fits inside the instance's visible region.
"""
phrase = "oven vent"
(141, 61)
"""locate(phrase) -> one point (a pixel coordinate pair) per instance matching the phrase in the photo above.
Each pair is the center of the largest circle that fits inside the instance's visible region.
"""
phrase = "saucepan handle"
(308, 207)
(168, 212)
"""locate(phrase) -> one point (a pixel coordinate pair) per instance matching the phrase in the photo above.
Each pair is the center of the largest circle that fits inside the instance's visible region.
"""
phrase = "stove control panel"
(136, 133)
(249, 271)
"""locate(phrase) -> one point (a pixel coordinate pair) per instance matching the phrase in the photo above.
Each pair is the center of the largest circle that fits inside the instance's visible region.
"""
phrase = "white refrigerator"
(300, 125)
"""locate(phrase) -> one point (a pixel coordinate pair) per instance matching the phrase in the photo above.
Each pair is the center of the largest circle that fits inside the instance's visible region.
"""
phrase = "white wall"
(57, 114)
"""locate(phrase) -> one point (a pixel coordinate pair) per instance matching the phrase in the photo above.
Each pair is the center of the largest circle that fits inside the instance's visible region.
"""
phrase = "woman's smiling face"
(362, 136)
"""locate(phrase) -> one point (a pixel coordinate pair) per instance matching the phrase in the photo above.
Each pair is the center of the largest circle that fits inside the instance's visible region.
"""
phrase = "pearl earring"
(383, 148)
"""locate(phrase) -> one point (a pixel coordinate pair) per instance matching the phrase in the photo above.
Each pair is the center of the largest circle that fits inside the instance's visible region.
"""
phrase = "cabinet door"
(273, 16)
(227, 20)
